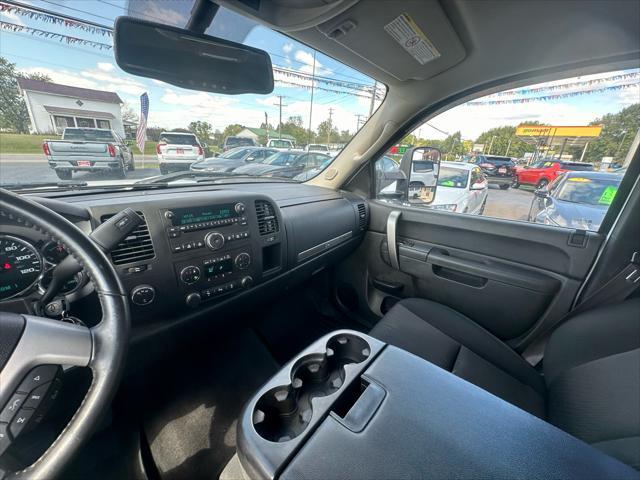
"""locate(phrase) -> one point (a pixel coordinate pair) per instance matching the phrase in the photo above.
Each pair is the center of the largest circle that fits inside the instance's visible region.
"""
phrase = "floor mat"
(191, 422)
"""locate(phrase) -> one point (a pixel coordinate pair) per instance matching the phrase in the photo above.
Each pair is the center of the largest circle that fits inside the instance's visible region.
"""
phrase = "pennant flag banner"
(12, 27)
(546, 98)
(569, 85)
(54, 19)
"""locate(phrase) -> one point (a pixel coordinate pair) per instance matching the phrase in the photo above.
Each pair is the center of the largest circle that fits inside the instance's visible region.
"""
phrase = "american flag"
(141, 133)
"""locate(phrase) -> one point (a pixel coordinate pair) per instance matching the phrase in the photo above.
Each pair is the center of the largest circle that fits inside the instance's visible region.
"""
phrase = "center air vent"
(267, 219)
(136, 247)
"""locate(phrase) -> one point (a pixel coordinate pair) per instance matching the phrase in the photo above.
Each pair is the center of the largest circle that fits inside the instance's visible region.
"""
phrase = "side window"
(545, 153)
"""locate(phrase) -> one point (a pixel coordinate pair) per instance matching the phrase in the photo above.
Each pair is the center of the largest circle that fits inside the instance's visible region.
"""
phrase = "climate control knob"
(239, 208)
(242, 261)
(143, 295)
(214, 240)
(193, 300)
(190, 274)
(246, 282)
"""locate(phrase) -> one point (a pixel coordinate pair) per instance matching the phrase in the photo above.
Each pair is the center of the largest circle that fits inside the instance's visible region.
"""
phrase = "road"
(509, 204)
(19, 168)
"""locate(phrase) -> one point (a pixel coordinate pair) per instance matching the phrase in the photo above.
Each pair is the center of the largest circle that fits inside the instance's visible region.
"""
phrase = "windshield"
(178, 139)
(589, 191)
(59, 74)
(453, 177)
(87, 135)
(282, 158)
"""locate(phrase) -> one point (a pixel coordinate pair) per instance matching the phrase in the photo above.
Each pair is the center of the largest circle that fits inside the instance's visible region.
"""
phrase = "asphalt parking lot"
(510, 204)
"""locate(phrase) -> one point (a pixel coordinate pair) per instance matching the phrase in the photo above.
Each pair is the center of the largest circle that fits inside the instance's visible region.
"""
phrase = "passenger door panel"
(512, 278)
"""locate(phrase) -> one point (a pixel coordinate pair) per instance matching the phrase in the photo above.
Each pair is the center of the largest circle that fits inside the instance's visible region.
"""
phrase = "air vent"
(136, 247)
(267, 219)
(362, 216)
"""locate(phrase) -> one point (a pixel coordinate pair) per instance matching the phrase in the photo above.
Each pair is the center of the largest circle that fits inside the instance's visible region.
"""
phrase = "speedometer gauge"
(20, 266)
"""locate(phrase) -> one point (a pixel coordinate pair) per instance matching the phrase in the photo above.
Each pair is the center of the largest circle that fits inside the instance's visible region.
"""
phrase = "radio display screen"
(188, 216)
(217, 268)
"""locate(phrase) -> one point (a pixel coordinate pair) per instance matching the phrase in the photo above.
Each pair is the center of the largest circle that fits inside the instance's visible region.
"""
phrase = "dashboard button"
(246, 282)
(38, 376)
(239, 208)
(190, 274)
(143, 295)
(12, 407)
(242, 261)
(193, 299)
(214, 240)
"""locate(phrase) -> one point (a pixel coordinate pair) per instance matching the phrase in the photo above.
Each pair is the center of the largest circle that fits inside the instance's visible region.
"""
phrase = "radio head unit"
(209, 213)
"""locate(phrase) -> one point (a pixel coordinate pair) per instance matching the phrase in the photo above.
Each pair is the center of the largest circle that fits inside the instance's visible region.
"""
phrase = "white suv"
(177, 151)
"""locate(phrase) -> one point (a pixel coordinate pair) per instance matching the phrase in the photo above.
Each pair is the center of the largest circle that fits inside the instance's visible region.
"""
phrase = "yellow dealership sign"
(550, 131)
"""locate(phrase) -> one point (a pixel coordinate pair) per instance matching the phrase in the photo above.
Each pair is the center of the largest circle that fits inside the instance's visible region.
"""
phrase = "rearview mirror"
(421, 165)
(190, 60)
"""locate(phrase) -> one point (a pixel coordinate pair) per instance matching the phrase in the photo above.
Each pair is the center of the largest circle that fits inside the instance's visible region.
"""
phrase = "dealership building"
(52, 107)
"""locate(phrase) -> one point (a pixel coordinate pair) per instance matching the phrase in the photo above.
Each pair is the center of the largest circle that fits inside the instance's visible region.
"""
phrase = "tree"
(618, 131)
(503, 141)
(232, 130)
(202, 130)
(180, 130)
(326, 130)
(13, 110)
(128, 114)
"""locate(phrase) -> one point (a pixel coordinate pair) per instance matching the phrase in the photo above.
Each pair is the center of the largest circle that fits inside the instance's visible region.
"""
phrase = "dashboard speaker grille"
(136, 247)
(362, 216)
(267, 218)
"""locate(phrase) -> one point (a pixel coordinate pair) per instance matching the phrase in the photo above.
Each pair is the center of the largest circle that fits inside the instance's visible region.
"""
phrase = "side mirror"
(478, 186)
(204, 146)
(421, 165)
(251, 158)
(541, 193)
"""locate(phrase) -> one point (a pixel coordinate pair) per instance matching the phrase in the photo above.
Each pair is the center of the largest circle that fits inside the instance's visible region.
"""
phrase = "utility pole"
(358, 115)
(373, 98)
(329, 131)
(508, 148)
(280, 97)
(313, 78)
(491, 144)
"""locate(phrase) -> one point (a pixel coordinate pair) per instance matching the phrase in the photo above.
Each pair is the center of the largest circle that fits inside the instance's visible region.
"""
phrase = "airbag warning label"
(405, 31)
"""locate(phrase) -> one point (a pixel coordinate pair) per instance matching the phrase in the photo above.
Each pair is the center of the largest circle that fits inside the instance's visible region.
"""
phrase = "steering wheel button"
(36, 396)
(12, 407)
(20, 421)
(38, 376)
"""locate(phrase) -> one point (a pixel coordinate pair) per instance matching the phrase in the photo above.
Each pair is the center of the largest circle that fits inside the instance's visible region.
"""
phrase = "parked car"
(233, 142)
(281, 143)
(500, 171)
(316, 147)
(232, 159)
(286, 163)
(462, 188)
(177, 151)
(312, 172)
(543, 172)
(575, 200)
(88, 149)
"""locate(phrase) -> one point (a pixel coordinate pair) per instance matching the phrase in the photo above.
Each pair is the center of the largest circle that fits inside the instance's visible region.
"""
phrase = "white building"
(52, 107)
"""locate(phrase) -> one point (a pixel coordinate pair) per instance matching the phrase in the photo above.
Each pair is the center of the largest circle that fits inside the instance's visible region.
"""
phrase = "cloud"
(306, 58)
(287, 48)
(106, 66)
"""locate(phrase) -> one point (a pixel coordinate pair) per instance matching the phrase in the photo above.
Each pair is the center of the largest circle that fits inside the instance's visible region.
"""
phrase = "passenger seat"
(591, 382)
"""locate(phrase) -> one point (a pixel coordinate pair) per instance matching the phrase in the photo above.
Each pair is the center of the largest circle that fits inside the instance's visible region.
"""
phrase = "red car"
(544, 172)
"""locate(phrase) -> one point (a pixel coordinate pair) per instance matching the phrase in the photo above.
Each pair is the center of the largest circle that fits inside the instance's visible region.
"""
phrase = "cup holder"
(284, 412)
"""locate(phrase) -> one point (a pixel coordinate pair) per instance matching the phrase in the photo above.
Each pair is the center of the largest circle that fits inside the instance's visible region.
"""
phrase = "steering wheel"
(28, 342)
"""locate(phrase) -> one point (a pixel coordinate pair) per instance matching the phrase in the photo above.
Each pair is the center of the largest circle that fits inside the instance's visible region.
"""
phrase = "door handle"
(392, 224)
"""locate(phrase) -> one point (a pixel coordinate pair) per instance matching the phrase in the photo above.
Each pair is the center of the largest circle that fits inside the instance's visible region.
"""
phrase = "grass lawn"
(19, 143)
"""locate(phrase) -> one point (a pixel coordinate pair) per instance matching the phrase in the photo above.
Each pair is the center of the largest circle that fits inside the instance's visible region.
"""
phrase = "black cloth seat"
(591, 382)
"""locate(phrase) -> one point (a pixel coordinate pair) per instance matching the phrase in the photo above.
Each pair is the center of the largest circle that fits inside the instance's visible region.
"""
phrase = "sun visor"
(411, 40)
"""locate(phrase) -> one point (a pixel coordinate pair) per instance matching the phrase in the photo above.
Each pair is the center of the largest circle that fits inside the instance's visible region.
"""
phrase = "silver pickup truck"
(88, 149)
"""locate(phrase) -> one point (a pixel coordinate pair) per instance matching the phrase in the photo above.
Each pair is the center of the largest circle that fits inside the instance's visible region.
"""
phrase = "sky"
(172, 107)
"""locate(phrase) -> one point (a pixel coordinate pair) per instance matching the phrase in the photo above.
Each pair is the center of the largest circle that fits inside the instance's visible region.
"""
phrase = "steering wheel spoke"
(42, 342)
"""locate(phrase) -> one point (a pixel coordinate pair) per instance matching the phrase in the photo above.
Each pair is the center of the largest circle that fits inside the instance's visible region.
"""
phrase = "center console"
(212, 249)
(350, 406)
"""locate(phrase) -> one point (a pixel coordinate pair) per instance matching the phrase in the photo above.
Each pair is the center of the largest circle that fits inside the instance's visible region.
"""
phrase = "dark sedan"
(575, 200)
(232, 159)
(500, 171)
(286, 163)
